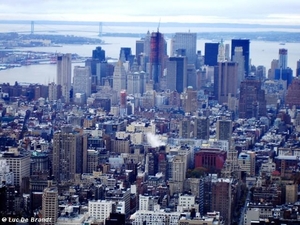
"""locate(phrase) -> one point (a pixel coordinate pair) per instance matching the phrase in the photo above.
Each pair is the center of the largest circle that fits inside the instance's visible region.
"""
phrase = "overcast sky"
(283, 12)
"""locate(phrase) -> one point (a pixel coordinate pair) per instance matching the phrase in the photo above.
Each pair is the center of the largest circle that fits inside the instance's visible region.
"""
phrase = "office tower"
(201, 128)
(285, 76)
(63, 75)
(136, 80)
(211, 54)
(190, 100)
(274, 66)
(157, 58)
(50, 204)
(185, 128)
(221, 52)
(98, 54)
(99, 70)
(282, 58)
(139, 50)
(224, 130)
(125, 53)
(123, 103)
(239, 59)
(187, 41)
(227, 52)
(293, 93)
(225, 81)
(245, 44)
(222, 198)
(192, 79)
(19, 163)
(261, 73)
(177, 74)
(82, 80)
(67, 155)
(119, 77)
(252, 99)
(179, 168)
(54, 91)
(298, 68)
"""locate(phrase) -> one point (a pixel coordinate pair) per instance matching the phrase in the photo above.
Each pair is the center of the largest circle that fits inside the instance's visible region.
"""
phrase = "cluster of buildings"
(152, 139)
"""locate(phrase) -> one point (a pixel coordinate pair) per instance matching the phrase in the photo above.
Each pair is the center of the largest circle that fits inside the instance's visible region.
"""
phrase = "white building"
(186, 201)
(82, 82)
(154, 217)
(5, 174)
(100, 209)
(119, 77)
(64, 74)
(18, 163)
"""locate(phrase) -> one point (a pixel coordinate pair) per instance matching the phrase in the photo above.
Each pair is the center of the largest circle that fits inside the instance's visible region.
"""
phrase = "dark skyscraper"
(177, 73)
(252, 99)
(211, 54)
(157, 58)
(98, 54)
(245, 44)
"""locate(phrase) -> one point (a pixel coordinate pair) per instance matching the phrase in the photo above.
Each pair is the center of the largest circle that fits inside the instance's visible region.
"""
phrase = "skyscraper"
(225, 81)
(201, 128)
(82, 80)
(298, 68)
(211, 54)
(67, 155)
(224, 129)
(177, 74)
(63, 75)
(282, 58)
(245, 44)
(119, 77)
(252, 99)
(221, 52)
(240, 60)
(50, 204)
(187, 41)
(157, 58)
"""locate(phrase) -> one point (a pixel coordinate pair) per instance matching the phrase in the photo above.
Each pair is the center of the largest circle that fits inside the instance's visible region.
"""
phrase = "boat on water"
(281, 43)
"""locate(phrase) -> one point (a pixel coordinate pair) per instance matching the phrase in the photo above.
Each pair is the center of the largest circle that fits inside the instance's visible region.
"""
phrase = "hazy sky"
(284, 12)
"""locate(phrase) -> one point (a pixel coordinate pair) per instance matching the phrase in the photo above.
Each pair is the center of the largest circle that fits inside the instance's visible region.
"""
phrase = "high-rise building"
(19, 163)
(190, 100)
(227, 52)
(98, 54)
(224, 129)
(177, 74)
(192, 79)
(221, 52)
(239, 59)
(119, 77)
(225, 81)
(201, 128)
(298, 68)
(185, 128)
(293, 93)
(252, 99)
(64, 74)
(50, 205)
(157, 58)
(285, 76)
(139, 49)
(100, 209)
(136, 82)
(54, 91)
(82, 80)
(67, 155)
(187, 41)
(222, 198)
(283, 58)
(211, 54)
(274, 66)
(245, 44)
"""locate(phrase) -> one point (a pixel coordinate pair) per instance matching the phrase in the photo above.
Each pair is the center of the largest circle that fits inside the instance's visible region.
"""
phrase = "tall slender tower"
(240, 59)
(119, 77)
(82, 82)
(245, 44)
(283, 58)
(157, 58)
(64, 74)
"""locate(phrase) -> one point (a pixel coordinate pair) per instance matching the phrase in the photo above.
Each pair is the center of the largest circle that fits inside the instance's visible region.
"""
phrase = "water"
(261, 53)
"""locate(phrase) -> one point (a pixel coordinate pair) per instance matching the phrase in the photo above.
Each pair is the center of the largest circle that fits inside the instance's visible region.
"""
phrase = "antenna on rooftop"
(158, 25)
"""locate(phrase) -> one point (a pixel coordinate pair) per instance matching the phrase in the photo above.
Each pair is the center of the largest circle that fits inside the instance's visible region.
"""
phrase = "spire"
(221, 52)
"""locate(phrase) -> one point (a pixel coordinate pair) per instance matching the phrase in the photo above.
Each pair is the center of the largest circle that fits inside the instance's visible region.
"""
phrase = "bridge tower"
(100, 29)
(32, 27)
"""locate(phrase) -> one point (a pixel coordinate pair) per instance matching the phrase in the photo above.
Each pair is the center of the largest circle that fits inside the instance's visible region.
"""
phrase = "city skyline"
(245, 12)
